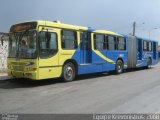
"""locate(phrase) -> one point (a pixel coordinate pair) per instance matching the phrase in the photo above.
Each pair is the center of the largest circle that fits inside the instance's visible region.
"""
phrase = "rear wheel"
(68, 72)
(119, 67)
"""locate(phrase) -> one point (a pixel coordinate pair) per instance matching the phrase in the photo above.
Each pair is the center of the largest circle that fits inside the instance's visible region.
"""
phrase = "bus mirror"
(48, 36)
(42, 29)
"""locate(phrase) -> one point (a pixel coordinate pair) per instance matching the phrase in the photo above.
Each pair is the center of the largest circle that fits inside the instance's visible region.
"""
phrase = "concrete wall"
(3, 52)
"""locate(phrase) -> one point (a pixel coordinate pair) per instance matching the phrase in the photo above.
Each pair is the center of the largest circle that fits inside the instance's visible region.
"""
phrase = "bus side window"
(98, 42)
(69, 39)
(144, 45)
(149, 46)
(121, 43)
(111, 43)
(155, 46)
(48, 44)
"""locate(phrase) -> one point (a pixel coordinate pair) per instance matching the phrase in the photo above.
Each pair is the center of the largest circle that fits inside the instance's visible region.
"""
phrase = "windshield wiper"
(20, 39)
(24, 33)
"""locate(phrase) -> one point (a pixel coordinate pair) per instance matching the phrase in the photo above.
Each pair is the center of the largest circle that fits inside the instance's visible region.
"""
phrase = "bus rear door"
(140, 49)
(155, 50)
(86, 53)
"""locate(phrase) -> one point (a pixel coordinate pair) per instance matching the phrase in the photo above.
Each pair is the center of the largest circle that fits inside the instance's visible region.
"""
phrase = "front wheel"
(68, 73)
(119, 67)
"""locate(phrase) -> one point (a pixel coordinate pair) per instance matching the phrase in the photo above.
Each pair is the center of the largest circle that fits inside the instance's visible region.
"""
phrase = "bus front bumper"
(22, 74)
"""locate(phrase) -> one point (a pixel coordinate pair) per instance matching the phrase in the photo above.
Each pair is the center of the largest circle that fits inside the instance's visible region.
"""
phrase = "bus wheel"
(119, 67)
(68, 72)
(149, 63)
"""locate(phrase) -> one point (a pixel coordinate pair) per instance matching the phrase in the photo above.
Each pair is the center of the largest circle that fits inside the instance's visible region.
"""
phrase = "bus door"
(48, 52)
(86, 53)
(155, 50)
(140, 49)
(99, 49)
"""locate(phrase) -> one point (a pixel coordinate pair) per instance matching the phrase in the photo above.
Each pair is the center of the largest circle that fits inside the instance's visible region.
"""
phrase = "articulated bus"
(41, 49)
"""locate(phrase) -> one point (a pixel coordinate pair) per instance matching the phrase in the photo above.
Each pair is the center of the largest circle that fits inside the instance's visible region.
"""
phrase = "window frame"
(39, 44)
(147, 49)
(121, 43)
(76, 39)
(144, 45)
(104, 41)
(115, 42)
(150, 49)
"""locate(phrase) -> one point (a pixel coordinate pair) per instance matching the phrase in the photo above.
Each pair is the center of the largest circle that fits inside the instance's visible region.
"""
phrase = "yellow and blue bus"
(41, 49)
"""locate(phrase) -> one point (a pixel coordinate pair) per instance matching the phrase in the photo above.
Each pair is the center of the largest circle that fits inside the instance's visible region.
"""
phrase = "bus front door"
(48, 53)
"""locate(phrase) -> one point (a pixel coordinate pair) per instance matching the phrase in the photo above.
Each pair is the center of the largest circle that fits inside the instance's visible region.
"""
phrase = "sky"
(113, 15)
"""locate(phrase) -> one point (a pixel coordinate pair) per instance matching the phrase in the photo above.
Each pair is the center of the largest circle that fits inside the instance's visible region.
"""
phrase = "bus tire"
(119, 67)
(149, 63)
(69, 72)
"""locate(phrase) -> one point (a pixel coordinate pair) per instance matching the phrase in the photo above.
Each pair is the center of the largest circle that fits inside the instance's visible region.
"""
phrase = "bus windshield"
(23, 44)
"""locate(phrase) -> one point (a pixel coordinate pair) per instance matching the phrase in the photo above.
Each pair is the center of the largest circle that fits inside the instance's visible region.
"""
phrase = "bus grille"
(18, 68)
(17, 63)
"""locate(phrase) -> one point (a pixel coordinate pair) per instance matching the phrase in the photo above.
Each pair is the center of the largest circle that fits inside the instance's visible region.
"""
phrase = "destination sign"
(23, 26)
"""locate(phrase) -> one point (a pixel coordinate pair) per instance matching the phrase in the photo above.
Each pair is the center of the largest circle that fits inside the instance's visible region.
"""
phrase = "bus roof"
(75, 27)
(58, 24)
(146, 39)
(107, 32)
(143, 38)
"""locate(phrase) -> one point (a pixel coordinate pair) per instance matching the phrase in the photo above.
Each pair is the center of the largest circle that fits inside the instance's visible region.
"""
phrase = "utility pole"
(134, 28)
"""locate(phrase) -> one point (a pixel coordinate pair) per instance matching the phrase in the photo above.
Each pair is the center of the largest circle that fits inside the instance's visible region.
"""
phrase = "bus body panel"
(93, 61)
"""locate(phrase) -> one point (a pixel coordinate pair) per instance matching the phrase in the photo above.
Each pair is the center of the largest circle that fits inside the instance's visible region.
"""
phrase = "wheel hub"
(69, 71)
